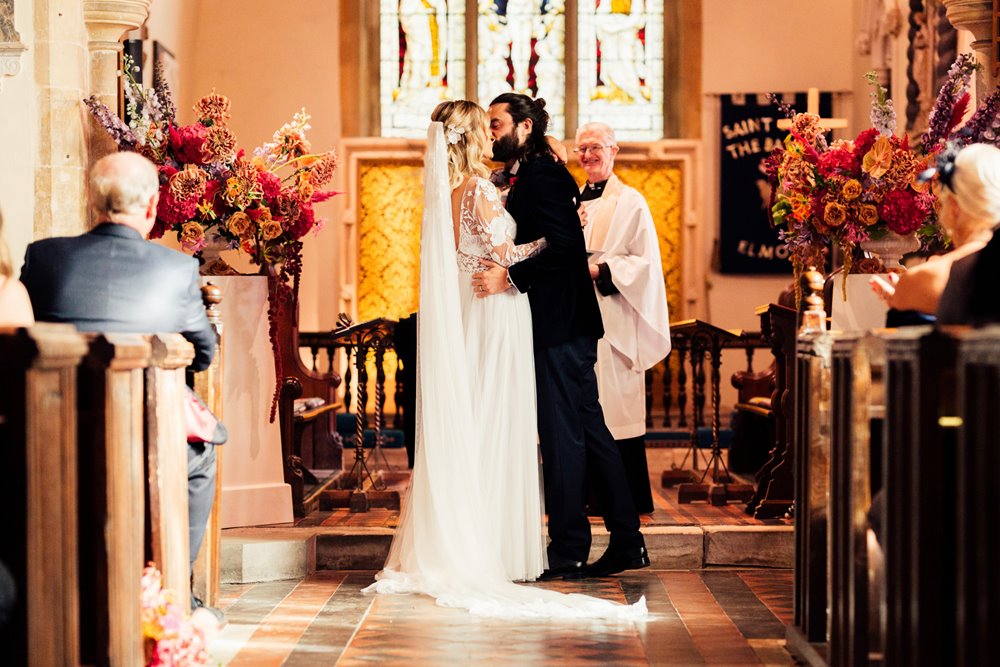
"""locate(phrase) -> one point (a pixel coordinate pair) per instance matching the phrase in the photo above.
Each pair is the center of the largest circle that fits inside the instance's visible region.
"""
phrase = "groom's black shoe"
(618, 560)
(571, 569)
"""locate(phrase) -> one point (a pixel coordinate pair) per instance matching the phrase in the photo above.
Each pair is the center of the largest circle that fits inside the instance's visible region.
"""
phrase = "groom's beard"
(506, 148)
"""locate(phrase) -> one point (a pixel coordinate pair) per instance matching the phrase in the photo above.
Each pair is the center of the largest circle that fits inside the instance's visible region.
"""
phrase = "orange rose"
(834, 214)
(238, 223)
(271, 229)
(192, 233)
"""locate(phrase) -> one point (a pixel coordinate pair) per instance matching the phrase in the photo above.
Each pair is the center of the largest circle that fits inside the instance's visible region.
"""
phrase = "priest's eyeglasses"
(591, 148)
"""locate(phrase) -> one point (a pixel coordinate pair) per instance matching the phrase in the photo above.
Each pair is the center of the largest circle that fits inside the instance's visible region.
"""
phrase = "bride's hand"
(491, 280)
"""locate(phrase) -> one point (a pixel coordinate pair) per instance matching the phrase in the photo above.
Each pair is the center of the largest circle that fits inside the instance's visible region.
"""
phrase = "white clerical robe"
(636, 323)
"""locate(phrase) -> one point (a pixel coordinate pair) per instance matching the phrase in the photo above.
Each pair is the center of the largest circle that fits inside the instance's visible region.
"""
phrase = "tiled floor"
(667, 511)
(706, 617)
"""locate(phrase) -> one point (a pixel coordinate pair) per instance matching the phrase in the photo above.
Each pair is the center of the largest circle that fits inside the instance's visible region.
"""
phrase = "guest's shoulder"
(170, 256)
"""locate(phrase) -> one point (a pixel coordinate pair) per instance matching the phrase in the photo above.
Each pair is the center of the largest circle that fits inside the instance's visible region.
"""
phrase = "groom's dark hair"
(521, 107)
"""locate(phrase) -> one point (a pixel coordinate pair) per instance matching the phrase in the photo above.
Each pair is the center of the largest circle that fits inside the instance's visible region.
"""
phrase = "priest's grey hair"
(603, 128)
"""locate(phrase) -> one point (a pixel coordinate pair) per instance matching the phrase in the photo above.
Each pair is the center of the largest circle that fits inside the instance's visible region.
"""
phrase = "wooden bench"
(93, 430)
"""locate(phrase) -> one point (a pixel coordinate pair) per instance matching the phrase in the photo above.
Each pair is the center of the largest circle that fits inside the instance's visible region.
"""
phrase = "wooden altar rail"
(93, 431)
(360, 343)
(689, 381)
(324, 348)
(938, 469)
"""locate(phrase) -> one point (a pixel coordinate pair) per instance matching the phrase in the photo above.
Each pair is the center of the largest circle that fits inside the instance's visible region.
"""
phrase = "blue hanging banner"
(748, 132)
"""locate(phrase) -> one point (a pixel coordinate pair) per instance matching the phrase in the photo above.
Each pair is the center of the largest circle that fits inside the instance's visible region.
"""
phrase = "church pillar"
(60, 57)
(976, 16)
(107, 22)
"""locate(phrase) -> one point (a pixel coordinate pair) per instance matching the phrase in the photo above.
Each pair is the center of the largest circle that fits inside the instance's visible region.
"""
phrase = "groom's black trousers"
(571, 432)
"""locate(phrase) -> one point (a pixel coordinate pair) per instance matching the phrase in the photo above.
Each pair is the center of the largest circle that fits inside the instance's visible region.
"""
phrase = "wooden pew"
(38, 425)
(978, 515)
(811, 453)
(853, 358)
(111, 483)
(920, 488)
(321, 424)
(775, 480)
(208, 384)
(166, 461)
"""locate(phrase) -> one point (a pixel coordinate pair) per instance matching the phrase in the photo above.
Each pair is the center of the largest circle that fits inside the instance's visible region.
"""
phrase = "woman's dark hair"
(521, 107)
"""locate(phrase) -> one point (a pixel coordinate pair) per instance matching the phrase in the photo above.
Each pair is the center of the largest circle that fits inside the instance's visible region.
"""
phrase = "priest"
(628, 276)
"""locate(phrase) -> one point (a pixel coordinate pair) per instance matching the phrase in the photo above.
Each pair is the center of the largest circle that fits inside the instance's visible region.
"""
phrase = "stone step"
(263, 554)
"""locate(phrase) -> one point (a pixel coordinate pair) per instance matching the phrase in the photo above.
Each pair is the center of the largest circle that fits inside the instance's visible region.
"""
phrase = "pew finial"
(814, 315)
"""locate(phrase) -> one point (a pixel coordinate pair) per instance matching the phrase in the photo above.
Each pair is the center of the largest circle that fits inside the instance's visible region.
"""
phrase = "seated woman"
(15, 306)
(969, 199)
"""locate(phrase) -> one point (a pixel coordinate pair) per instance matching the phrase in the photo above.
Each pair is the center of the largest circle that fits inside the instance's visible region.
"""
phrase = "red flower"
(836, 162)
(864, 143)
(173, 211)
(904, 211)
(270, 184)
(187, 142)
(305, 222)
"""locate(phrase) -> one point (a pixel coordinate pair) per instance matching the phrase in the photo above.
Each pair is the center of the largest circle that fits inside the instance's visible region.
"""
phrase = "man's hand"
(594, 271)
(491, 280)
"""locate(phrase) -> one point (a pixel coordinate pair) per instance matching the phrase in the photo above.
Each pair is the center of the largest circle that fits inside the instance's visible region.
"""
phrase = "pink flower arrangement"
(173, 640)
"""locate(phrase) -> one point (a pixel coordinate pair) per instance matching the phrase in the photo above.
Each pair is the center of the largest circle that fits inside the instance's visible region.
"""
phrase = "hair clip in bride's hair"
(454, 133)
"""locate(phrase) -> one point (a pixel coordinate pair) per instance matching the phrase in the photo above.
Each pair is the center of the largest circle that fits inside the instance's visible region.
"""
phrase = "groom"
(566, 327)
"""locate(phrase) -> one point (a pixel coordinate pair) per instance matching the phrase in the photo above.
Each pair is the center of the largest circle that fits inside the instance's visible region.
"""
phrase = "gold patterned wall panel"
(661, 183)
(390, 204)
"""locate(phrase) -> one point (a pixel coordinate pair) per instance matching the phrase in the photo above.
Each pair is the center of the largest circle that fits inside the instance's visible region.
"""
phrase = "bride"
(472, 520)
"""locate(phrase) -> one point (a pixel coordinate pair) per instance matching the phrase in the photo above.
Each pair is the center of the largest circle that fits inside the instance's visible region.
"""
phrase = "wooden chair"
(308, 437)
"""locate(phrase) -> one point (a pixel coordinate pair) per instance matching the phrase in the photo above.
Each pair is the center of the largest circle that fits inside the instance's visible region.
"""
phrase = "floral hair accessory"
(944, 167)
(454, 133)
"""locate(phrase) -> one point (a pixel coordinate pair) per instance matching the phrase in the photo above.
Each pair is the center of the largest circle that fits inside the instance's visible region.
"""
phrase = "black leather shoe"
(618, 560)
(567, 570)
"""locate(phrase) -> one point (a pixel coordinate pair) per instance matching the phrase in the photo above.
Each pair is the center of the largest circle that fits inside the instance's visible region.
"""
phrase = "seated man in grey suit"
(112, 279)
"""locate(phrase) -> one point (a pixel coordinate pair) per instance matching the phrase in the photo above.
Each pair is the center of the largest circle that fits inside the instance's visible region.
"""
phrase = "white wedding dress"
(472, 520)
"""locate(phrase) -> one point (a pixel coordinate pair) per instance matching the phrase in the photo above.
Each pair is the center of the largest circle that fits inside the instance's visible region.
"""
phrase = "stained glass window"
(522, 48)
(422, 54)
(620, 76)
(520, 45)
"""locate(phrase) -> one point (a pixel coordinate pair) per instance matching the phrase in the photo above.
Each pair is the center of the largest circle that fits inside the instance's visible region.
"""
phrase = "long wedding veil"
(438, 538)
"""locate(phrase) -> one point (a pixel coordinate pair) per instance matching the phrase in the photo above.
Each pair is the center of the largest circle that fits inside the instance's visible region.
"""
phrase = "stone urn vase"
(890, 248)
(210, 254)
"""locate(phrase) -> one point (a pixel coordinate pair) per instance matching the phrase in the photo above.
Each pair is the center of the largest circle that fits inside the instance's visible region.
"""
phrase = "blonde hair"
(468, 122)
(975, 187)
(6, 266)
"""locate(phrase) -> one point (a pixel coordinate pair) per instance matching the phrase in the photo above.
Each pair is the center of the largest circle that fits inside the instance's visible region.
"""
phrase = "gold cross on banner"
(812, 106)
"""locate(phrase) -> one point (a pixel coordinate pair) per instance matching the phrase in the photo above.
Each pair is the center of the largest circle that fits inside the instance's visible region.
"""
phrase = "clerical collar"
(593, 190)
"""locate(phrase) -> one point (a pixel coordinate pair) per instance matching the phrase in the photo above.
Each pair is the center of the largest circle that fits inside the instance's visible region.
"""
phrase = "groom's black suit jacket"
(543, 202)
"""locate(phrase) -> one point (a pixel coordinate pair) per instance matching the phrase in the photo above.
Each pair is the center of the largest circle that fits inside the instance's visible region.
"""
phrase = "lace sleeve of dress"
(495, 226)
